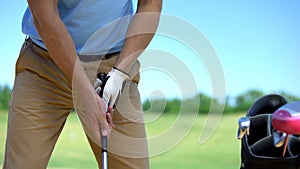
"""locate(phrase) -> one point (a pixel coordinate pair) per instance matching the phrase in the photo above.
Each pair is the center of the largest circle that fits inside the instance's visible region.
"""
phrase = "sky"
(256, 43)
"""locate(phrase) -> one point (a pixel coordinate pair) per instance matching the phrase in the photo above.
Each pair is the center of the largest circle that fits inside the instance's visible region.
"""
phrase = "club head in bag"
(244, 125)
(287, 119)
(278, 138)
(257, 148)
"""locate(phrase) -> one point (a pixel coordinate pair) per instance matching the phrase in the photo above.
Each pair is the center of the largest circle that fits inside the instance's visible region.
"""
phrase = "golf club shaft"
(285, 144)
(104, 152)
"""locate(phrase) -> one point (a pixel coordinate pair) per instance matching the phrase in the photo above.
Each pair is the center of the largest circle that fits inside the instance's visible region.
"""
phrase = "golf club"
(278, 138)
(287, 119)
(244, 125)
(99, 86)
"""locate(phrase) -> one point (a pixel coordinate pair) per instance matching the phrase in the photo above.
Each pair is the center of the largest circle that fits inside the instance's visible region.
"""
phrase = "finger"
(106, 95)
(104, 126)
(105, 131)
(109, 116)
(109, 120)
(111, 109)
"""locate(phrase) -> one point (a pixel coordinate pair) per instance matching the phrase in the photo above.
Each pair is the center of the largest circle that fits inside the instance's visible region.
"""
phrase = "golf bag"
(258, 150)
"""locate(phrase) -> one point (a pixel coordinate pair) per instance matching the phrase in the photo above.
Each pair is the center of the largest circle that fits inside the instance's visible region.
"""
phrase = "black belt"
(91, 58)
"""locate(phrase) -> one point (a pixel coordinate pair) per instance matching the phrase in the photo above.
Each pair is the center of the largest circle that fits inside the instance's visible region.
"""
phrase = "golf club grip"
(102, 76)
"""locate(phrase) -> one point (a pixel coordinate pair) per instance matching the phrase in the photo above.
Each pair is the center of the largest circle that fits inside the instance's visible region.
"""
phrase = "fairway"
(221, 150)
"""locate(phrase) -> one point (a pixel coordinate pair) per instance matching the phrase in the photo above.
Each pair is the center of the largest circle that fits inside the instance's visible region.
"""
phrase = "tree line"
(5, 92)
(200, 103)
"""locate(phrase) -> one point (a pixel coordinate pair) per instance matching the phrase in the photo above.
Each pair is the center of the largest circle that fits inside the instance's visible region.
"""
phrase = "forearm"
(55, 36)
(140, 32)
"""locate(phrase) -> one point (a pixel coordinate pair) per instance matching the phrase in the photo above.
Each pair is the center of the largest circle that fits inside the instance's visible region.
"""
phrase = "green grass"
(222, 150)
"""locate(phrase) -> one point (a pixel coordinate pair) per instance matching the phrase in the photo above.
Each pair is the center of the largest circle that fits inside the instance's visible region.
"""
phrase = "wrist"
(121, 72)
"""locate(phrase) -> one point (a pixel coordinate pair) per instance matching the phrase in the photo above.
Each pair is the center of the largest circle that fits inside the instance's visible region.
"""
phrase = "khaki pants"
(42, 100)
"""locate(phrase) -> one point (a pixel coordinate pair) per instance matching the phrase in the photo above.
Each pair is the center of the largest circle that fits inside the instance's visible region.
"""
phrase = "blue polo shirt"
(96, 26)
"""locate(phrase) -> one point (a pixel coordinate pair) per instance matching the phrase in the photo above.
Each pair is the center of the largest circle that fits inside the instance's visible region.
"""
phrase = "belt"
(91, 58)
(84, 58)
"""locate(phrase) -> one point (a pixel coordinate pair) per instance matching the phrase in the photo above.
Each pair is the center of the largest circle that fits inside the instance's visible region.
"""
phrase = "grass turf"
(221, 150)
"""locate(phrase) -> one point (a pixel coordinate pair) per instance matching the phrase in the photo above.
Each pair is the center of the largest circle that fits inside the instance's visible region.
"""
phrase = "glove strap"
(125, 74)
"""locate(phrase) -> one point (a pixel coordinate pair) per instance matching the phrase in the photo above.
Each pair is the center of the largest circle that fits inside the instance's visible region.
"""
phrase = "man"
(68, 43)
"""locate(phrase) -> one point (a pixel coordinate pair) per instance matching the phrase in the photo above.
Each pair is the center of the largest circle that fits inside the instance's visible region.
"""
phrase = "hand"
(90, 108)
(92, 112)
(114, 85)
(105, 127)
(99, 85)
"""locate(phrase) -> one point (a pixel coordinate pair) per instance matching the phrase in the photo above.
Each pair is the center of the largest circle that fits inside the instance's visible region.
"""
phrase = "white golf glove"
(115, 81)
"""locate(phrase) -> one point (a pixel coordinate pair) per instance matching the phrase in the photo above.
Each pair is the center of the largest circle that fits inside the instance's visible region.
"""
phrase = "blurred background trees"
(240, 103)
(5, 92)
(201, 102)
